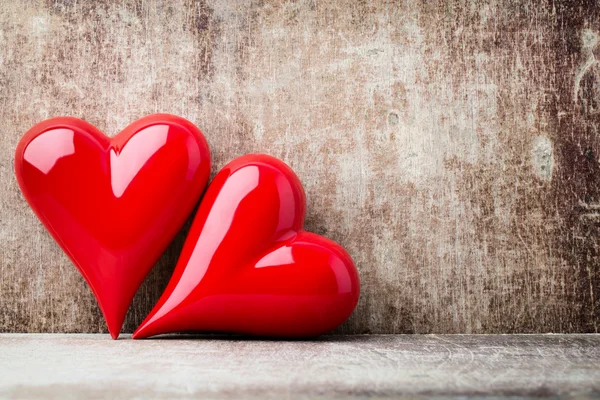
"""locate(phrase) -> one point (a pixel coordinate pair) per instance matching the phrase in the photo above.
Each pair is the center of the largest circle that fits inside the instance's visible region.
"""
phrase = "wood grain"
(344, 367)
(451, 146)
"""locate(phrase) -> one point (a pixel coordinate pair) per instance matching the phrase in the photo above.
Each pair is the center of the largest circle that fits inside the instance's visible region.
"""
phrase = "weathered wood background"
(452, 147)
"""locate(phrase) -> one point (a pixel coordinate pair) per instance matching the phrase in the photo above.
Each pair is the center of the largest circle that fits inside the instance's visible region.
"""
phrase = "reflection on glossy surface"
(248, 266)
(113, 205)
(126, 165)
(281, 256)
(44, 151)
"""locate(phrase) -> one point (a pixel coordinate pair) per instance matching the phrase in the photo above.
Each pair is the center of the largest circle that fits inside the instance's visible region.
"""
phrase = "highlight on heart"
(247, 266)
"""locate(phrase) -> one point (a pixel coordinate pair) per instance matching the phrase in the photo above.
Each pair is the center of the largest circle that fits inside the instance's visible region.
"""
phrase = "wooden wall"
(452, 147)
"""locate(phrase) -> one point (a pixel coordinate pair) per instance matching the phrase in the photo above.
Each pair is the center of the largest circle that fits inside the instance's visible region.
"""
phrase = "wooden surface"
(451, 147)
(379, 366)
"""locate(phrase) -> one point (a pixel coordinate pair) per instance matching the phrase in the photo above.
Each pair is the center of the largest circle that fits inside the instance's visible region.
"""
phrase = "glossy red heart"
(113, 205)
(249, 267)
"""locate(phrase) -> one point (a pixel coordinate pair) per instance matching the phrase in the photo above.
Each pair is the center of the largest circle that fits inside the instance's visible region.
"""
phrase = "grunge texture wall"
(452, 147)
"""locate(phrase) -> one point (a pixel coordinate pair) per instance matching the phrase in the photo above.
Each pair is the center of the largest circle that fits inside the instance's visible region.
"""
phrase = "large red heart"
(113, 205)
(249, 267)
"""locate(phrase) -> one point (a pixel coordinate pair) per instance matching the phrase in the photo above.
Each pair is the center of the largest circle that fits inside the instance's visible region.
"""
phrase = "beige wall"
(452, 147)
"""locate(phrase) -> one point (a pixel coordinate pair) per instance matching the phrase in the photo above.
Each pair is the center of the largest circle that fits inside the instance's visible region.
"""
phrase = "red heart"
(248, 266)
(113, 205)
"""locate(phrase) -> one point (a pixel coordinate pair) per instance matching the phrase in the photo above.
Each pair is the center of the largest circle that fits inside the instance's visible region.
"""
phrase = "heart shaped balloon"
(113, 205)
(248, 266)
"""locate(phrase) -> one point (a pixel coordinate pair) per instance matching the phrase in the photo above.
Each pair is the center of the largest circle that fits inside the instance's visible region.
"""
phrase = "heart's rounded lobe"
(113, 205)
(248, 266)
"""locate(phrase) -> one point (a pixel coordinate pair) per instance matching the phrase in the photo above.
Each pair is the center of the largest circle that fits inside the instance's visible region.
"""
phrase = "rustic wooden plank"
(451, 146)
(382, 366)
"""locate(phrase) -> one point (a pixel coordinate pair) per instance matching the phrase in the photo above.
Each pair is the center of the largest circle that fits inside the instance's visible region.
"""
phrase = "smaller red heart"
(113, 205)
(248, 266)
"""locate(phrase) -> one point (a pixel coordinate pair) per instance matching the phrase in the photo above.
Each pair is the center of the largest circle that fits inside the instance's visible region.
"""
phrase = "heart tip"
(152, 326)
(137, 335)
(114, 327)
(141, 332)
